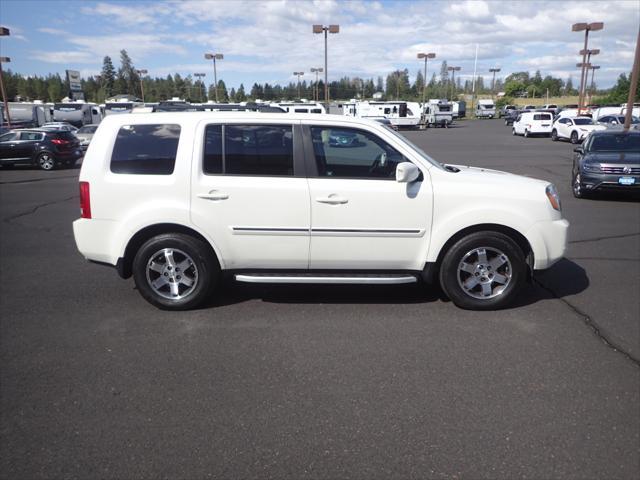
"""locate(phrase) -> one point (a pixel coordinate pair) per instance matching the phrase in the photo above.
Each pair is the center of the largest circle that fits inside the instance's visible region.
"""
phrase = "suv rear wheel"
(174, 271)
(46, 161)
(483, 271)
(554, 135)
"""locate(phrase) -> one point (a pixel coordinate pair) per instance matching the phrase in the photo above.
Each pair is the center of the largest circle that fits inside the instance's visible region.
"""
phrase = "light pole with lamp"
(4, 32)
(298, 74)
(318, 70)
(593, 77)
(140, 74)
(326, 29)
(493, 82)
(200, 76)
(587, 27)
(453, 71)
(426, 56)
(214, 57)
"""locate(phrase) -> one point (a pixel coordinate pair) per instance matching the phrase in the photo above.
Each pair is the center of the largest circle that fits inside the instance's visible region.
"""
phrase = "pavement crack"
(592, 324)
(597, 239)
(34, 209)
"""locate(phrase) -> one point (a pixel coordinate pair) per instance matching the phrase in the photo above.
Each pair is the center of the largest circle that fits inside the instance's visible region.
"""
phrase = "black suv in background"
(45, 149)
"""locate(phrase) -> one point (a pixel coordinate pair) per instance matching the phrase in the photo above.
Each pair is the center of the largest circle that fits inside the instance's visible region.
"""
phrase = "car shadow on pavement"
(565, 278)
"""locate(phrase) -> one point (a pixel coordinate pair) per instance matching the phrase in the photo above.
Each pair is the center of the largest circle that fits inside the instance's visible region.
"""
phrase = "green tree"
(240, 95)
(107, 76)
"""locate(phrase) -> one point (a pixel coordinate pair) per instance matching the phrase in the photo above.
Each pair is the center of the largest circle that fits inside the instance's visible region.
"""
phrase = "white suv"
(176, 200)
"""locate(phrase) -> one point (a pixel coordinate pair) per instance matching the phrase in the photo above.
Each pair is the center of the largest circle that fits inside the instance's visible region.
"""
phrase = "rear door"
(8, 145)
(250, 194)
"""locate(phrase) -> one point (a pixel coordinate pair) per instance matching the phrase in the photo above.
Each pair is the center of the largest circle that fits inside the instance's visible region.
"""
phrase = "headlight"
(552, 195)
(591, 167)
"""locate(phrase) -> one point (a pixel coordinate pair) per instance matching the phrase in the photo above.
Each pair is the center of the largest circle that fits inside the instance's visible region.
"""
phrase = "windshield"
(417, 149)
(583, 121)
(621, 142)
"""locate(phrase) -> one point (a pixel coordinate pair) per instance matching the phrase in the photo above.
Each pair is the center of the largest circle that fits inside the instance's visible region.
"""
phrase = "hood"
(613, 157)
(592, 127)
(487, 175)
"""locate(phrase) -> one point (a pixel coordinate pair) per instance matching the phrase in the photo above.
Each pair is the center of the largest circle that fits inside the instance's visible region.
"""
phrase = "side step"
(329, 278)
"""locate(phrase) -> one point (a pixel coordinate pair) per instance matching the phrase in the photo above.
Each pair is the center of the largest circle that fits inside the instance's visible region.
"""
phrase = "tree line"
(397, 85)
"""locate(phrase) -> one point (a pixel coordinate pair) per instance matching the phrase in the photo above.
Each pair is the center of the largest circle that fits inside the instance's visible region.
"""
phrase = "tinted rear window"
(88, 129)
(249, 150)
(622, 142)
(145, 149)
(62, 134)
(542, 116)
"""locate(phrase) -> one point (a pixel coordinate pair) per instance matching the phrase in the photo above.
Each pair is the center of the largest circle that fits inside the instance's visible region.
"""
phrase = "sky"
(266, 41)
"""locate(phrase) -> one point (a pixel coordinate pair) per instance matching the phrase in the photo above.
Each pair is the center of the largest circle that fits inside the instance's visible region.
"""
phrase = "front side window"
(145, 149)
(248, 150)
(351, 153)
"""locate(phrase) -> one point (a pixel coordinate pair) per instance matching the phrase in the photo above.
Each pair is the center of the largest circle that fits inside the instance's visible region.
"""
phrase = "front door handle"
(213, 195)
(332, 199)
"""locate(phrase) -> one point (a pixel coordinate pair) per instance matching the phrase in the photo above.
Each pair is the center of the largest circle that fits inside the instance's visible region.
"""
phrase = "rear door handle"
(213, 195)
(332, 199)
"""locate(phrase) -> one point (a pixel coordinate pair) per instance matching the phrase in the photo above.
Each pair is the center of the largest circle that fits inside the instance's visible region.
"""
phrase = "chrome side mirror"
(407, 172)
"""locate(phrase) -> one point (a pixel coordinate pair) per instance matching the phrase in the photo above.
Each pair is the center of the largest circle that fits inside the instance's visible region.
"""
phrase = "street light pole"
(316, 94)
(214, 57)
(593, 85)
(200, 76)
(424, 88)
(4, 32)
(493, 82)
(587, 27)
(298, 75)
(140, 74)
(326, 29)
(634, 84)
(453, 71)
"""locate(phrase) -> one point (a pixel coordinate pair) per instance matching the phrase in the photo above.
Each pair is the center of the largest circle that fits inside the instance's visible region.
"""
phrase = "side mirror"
(579, 150)
(407, 172)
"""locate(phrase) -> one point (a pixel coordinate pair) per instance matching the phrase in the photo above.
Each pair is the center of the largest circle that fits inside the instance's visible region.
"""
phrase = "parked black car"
(607, 160)
(510, 116)
(45, 149)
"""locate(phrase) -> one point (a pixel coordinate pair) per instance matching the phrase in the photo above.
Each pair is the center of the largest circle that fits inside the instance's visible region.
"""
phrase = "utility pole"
(634, 84)
(326, 29)
(453, 71)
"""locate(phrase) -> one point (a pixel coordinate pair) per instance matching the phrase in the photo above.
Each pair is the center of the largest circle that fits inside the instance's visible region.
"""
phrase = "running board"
(367, 279)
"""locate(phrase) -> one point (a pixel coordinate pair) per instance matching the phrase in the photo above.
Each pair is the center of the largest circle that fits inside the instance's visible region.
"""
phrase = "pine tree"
(107, 76)
(128, 79)
(240, 95)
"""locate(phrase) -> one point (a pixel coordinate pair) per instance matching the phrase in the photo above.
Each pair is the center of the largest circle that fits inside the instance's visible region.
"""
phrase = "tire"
(506, 123)
(187, 265)
(46, 161)
(574, 137)
(554, 135)
(484, 291)
(526, 133)
(576, 186)
(513, 132)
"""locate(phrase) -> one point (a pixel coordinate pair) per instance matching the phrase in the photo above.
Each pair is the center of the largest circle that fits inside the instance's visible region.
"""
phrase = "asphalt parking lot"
(321, 382)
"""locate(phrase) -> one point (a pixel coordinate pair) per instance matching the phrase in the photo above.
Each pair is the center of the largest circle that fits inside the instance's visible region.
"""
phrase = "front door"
(361, 217)
(249, 194)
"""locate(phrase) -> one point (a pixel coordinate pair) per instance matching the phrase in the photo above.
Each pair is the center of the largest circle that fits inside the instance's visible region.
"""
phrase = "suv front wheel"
(174, 271)
(483, 271)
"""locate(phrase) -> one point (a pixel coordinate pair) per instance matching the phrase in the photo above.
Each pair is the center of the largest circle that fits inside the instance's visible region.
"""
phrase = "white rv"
(28, 115)
(300, 107)
(485, 109)
(438, 112)
(398, 113)
(77, 113)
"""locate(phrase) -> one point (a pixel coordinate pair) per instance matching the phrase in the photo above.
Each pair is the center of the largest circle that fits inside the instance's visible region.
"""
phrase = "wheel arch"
(125, 263)
(431, 270)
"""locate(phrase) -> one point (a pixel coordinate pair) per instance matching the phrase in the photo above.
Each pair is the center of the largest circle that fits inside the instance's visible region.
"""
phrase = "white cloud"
(63, 57)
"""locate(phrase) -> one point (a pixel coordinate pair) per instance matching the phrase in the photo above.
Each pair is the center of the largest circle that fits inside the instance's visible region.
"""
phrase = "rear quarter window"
(145, 149)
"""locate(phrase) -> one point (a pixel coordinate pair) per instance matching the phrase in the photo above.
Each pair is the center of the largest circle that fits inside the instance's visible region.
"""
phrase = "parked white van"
(178, 199)
(533, 123)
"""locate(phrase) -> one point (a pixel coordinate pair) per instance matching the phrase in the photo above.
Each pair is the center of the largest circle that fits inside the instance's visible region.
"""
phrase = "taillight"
(85, 200)
(59, 141)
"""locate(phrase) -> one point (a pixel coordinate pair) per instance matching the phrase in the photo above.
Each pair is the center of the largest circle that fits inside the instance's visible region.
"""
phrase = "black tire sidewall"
(206, 263)
(451, 260)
